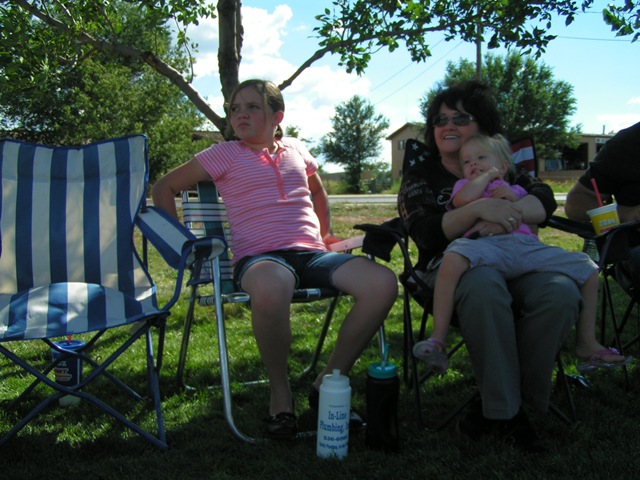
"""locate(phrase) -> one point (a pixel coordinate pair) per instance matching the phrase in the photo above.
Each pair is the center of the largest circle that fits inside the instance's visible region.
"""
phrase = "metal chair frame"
(204, 213)
(610, 248)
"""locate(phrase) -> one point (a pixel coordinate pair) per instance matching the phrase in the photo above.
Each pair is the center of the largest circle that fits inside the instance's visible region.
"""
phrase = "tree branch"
(400, 33)
(149, 58)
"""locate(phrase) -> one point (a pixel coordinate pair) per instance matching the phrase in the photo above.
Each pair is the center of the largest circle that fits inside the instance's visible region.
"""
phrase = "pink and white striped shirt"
(268, 199)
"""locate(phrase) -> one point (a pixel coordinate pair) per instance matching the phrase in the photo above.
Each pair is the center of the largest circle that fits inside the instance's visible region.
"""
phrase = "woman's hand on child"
(505, 193)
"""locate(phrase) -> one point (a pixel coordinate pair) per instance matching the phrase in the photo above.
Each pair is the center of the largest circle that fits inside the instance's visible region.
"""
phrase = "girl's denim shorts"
(311, 269)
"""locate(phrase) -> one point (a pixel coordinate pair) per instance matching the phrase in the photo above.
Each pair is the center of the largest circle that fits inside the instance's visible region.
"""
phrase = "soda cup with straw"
(605, 217)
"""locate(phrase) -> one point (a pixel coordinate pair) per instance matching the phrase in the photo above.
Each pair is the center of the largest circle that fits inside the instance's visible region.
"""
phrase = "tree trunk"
(230, 36)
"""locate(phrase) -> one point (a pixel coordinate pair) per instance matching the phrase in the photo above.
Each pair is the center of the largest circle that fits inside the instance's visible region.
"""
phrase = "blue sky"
(604, 70)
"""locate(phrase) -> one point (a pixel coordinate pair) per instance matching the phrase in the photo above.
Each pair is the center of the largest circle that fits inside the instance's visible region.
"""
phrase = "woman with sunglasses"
(513, 329)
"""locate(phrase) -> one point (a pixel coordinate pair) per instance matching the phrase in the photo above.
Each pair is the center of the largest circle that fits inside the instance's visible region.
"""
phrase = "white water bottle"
(333, 416)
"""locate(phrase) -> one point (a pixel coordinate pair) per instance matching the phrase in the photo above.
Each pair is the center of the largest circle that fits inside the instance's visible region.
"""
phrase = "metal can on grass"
(68, 372)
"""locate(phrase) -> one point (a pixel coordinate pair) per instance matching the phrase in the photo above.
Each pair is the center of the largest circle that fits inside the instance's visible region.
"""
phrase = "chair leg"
(160, 355)
(456, 411)
(563, 381)
(154, 387)
(224, 359)
(633, 303)
(186, 334)
(607, 300)
(410, 362)
(407, 336)
(78, 354)
(323, 335)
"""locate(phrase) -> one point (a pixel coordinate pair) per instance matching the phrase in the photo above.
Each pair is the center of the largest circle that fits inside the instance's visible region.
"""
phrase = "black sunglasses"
(459, 119)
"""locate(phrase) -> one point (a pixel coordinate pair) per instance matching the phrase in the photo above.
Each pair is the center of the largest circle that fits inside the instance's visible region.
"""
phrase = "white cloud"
(206, 65)
(205, 35)
(614, 122)
(263, 31)
(261, 45)
(634, 101)
(311, 99)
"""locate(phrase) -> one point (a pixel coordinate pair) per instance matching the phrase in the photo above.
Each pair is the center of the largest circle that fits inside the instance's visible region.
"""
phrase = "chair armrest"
(615, 245)
(347, 244)
(633, 225)
(584, 230)
(174, 242)
(165, 233)
(380, 239)
(179, 248)
(203, 249)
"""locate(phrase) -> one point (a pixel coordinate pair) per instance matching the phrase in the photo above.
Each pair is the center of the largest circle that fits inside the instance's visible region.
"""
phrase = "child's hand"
(493, 173)
(330, 239)
(504, 192)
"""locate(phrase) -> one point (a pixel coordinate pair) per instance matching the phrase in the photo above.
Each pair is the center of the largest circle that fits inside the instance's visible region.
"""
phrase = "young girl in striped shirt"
(279, 218)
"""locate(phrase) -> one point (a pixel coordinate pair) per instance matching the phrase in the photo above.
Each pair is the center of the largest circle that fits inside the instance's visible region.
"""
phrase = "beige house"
(571, 164)
(590, 144)
(398, 140)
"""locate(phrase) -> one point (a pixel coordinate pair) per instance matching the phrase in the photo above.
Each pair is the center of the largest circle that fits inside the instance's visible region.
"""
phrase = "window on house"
(401, 144)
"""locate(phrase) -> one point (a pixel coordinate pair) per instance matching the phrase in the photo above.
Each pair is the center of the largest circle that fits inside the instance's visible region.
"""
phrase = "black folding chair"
(610, 251)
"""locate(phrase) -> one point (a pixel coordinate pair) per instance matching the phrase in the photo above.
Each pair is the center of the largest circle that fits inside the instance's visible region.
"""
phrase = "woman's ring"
(511, 220)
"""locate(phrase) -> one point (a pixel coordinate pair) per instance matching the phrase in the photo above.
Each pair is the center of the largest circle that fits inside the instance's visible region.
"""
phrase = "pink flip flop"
(432, 353)
(595, 361)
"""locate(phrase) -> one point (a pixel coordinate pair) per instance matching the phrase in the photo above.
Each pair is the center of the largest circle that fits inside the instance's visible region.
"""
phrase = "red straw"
(595, 189)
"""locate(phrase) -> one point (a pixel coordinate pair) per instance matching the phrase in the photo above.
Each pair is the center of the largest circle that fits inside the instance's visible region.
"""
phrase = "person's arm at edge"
(164, 191)
(579, 200)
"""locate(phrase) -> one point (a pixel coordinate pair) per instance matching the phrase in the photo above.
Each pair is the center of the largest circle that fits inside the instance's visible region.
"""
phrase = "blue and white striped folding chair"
(69, 266)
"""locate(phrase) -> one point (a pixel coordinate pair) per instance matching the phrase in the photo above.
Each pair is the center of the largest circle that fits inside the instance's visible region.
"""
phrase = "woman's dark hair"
(271, 97)
(476, 98)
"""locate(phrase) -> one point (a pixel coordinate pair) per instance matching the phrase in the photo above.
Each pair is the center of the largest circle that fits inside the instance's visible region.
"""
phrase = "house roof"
(403, 127)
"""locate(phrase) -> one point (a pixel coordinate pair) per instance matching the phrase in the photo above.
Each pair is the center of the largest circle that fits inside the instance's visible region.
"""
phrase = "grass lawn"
(80, 442)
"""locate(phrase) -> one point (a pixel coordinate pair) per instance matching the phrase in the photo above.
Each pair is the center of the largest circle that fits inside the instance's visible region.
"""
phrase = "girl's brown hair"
(271, 97)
